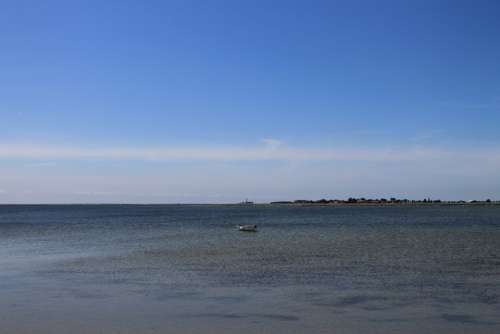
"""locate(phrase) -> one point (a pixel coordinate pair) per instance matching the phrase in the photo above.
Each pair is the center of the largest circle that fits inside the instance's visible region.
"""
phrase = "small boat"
(248, 228)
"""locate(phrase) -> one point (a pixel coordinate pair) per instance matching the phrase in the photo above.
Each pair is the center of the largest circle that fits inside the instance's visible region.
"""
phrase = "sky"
(218, 101)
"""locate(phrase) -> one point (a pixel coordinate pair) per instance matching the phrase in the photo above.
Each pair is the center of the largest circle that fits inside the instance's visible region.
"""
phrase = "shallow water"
(187, 269)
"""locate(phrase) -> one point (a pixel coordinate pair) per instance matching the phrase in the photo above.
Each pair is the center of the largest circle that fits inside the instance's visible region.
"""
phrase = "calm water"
(186, 269)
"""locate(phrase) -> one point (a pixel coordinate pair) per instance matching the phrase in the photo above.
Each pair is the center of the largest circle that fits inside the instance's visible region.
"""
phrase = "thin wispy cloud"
(41, 164)
(94, 193)
(271, 150)
(272, 142)
(300, 172)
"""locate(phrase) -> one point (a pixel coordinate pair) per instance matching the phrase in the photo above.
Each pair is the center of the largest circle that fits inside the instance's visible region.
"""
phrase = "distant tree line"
(392, 200)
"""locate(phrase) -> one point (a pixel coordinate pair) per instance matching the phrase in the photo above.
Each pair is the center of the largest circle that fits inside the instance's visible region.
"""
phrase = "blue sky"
(216, 101)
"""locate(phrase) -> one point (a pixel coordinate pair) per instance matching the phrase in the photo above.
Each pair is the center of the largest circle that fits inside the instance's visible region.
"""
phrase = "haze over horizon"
(218, 101)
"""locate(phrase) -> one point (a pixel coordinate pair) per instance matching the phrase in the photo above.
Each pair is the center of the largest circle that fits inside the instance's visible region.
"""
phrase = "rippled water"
(187, 269)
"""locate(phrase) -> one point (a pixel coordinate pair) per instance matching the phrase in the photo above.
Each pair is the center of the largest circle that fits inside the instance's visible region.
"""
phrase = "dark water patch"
(180, 295)
(393, 320)
(365, 302)
(86, 294)
(377, 307)
(216, 315)
(270, 316)
(357, 300)
(466, 319)
(228, 299)
(280, 317)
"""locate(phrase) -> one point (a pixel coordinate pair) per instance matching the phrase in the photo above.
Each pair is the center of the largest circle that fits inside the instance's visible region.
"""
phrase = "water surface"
(186, 269)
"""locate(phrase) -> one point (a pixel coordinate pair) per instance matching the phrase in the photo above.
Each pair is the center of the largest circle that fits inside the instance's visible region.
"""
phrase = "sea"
(309, 269)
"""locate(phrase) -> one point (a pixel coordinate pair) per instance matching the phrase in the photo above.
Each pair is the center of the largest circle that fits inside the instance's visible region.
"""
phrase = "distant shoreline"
(383, 201)
(482, 203)
(300, 203)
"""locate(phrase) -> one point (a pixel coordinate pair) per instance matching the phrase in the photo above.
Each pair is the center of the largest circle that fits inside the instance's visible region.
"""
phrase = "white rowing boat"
(248, 228)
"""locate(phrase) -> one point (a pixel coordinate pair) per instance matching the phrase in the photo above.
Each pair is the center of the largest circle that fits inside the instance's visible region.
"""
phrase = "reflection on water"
(187, 269)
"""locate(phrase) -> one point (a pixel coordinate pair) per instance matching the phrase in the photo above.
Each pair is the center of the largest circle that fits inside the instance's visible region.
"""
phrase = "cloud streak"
(244, 153)
(302, 172)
